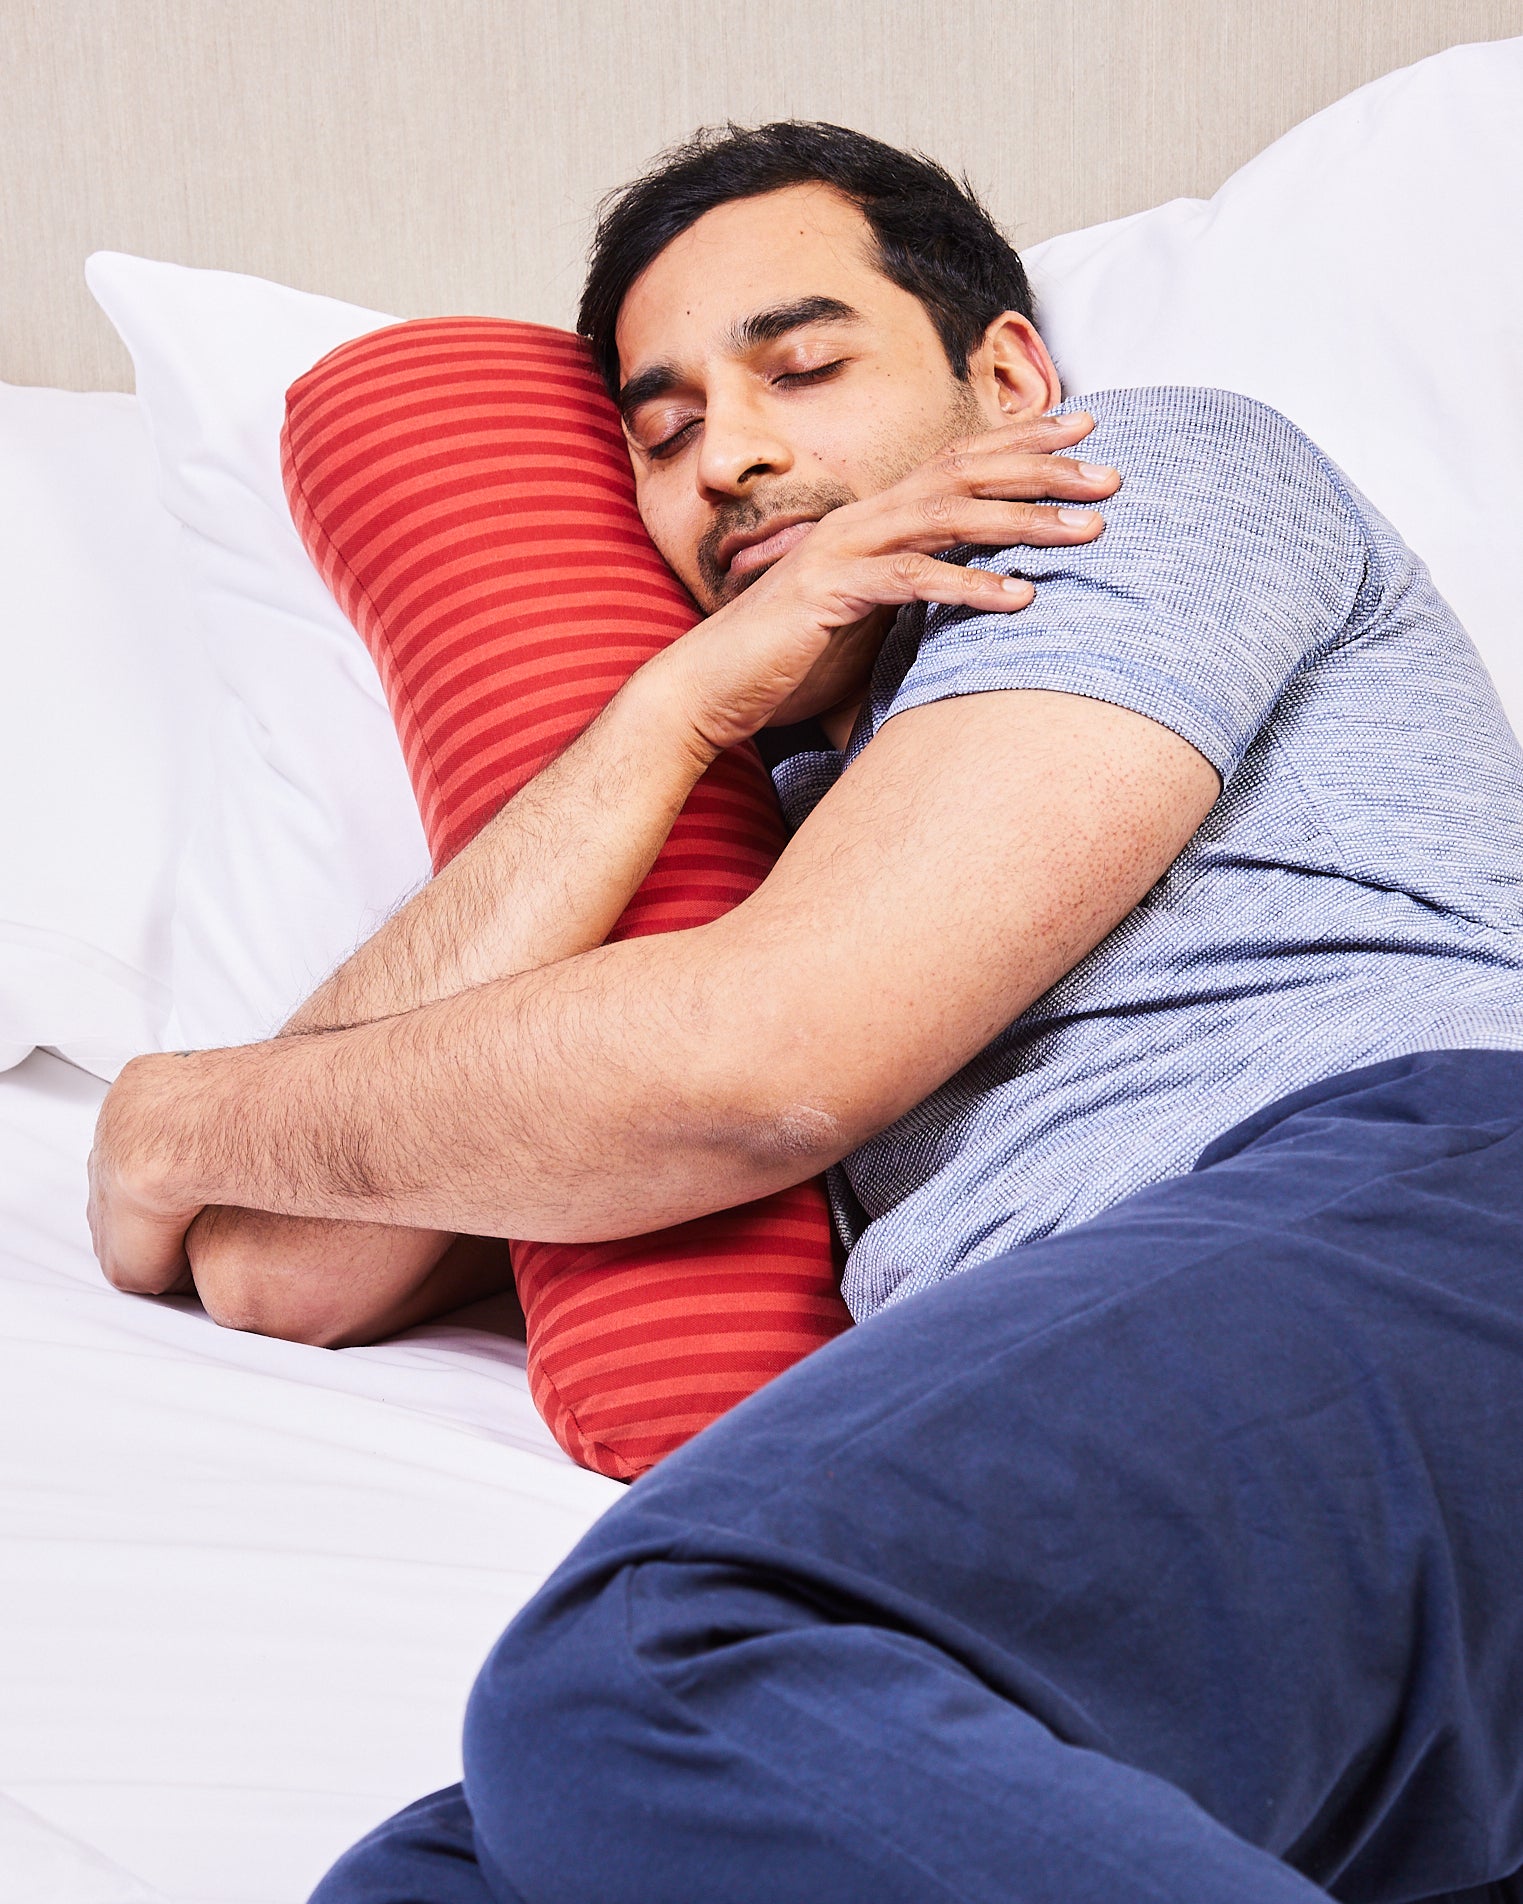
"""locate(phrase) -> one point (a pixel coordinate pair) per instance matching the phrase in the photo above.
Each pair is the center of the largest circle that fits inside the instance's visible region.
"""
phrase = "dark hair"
(934, 239)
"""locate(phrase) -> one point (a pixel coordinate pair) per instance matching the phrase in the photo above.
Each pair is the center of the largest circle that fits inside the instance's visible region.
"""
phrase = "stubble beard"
(745, 514)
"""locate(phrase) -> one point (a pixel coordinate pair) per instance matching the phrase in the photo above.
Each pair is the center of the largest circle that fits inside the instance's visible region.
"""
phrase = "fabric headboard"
(447, 157)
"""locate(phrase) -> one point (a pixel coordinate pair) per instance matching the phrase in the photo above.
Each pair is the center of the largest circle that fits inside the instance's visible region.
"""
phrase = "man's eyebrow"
(765, 327)
(651, 383)
(761, 327)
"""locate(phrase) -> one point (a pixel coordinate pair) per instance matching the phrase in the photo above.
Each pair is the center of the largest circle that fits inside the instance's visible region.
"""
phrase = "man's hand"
(802, 638)
(138, 1218)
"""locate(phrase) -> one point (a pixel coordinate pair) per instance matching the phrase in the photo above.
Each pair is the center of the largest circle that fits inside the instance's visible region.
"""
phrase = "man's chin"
(712, 596)
(736, 585)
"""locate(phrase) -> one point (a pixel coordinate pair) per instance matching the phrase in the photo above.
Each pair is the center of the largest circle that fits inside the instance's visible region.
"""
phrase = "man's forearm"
(547, 878)
(544, 880)
(582, 1101)
(649, 1081)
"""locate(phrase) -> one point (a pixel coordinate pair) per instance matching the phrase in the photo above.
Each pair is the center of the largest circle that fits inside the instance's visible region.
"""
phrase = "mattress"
(244, 1584)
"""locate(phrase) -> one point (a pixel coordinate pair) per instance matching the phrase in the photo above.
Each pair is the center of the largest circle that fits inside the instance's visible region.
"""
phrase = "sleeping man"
(1146, 965)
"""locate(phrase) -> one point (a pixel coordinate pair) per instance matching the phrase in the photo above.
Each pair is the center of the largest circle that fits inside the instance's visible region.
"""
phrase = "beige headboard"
(432, 155)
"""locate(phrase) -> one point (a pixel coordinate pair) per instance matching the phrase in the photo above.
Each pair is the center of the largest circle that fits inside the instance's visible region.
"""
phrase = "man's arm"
(548, 877)
(553, 873)
(975, 851)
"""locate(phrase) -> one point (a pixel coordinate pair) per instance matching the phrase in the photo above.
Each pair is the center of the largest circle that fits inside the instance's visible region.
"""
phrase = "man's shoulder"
(1190, 410)
(1196, 431)
(1233, 557)
(1213, 476)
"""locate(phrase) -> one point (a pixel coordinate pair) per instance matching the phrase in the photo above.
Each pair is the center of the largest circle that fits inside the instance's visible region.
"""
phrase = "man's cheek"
(677, 545)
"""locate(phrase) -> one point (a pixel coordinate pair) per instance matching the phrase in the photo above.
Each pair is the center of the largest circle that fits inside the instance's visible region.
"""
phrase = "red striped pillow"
(463, 487)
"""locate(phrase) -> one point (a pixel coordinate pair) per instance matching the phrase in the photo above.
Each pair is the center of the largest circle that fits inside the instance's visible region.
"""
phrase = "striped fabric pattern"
(463, 488)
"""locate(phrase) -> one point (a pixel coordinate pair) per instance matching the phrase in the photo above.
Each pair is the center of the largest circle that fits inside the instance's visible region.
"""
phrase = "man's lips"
(740, 555)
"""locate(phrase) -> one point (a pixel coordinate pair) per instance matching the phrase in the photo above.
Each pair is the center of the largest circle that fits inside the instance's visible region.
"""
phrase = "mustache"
(743, 515)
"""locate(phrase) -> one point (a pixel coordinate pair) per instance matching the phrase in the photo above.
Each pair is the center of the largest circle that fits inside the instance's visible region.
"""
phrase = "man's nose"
(739, 447)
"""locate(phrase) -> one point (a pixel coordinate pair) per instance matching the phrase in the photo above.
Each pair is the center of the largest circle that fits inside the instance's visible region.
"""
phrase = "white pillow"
(101, 744)
(309, 834)
(1364, 276)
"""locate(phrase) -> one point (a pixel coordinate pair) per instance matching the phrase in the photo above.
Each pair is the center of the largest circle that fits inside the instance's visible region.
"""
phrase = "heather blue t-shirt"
(1356, 892)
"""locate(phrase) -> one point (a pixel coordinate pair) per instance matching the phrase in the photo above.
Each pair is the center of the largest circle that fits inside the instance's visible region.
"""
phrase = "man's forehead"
(714, 285)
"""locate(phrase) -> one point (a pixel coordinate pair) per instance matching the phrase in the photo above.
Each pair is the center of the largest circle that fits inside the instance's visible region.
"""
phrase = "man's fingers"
(1038, 435)
(141, 1255)
(909, 577)
(1006, 469)
(1018, 473)
(140, 1251)
(940, 520)
(929, 509)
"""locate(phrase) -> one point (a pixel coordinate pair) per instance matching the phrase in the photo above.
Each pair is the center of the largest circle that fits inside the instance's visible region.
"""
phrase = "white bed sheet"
(244, 1585)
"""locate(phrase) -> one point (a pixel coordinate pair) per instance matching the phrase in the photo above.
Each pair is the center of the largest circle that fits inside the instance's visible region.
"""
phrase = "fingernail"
(1077, 518)
(1014, 584)
(1096, 472)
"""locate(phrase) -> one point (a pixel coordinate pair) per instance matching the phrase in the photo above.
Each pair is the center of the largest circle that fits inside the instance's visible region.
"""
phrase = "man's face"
(770, 373)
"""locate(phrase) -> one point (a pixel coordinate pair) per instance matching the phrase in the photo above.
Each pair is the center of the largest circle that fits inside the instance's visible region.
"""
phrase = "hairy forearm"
(972, 856)
(544, 880)
(579, 1102)
(334, 1283)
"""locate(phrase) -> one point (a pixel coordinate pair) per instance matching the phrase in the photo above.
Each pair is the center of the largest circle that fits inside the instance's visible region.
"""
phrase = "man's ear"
(1018, 373)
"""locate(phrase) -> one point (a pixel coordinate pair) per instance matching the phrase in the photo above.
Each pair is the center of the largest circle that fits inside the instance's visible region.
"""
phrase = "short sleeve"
(1233, 556)
(802, 780)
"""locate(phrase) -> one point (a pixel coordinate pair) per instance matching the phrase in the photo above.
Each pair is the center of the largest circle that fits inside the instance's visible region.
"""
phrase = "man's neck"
(839, 722)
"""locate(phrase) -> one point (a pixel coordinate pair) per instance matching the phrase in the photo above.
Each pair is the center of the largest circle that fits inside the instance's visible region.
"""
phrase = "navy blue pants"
(1174, 1560)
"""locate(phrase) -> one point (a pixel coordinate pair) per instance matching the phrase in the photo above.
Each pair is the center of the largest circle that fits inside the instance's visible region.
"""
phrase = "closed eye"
(658, 452)
(817, 375)
(668, 446)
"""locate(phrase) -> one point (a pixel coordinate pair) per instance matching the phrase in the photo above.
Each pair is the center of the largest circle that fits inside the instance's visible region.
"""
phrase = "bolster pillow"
(463, 488)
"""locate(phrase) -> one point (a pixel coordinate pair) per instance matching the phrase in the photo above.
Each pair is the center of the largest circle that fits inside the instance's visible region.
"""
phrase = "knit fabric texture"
(1355, 894)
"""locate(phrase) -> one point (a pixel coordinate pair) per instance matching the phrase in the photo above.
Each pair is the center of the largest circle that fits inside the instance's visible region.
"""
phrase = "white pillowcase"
(308, 835)
(1362, 275)
(100, 750)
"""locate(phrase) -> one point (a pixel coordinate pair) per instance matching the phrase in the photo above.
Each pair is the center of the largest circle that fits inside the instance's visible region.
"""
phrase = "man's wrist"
(160, 1115)
(661, 701)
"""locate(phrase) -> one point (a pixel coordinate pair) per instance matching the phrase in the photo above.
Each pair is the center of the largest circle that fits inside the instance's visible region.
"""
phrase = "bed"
(246, 1584)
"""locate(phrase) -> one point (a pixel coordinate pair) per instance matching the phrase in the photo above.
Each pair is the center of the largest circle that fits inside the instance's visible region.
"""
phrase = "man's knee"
(548, 1731)
(591, 1749)
(428, 1850)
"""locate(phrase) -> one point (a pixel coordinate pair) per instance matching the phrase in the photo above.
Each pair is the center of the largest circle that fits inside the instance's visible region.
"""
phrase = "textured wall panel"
(444, 155)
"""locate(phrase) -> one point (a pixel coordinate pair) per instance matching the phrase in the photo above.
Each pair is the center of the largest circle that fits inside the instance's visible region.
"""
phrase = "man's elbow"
(243, 1286)
(777, 1134)
(798, 1137)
